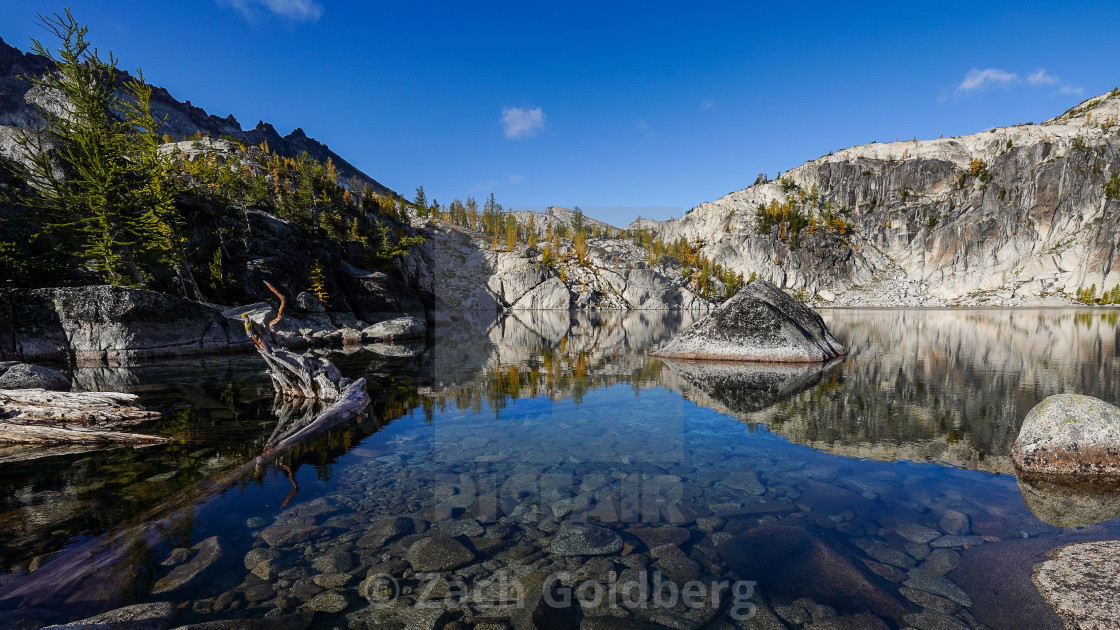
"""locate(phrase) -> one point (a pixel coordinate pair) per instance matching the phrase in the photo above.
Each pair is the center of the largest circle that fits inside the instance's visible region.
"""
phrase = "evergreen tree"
(81, 171)
(160, 229)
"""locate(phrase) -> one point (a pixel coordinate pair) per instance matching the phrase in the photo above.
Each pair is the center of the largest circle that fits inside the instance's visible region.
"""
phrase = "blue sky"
(646, 108)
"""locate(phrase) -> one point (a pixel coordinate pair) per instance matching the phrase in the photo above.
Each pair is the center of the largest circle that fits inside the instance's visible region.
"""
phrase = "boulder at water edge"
(761, 323)
(1070, 438)
(26, 376)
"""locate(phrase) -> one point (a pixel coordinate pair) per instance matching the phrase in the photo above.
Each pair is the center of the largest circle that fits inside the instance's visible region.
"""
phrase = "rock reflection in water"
(527, 423)
(948, 385)
(743, 388)
(1064, 505)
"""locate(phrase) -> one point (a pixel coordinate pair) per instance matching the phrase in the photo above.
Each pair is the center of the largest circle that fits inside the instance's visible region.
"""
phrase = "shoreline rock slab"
(1081, 581)
(407, 327)
(1072, 438)
(761, 324)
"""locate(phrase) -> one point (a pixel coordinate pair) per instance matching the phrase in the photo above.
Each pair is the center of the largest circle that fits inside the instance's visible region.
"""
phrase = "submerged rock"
(156, 616)
(385, 530)
(1081, 582)
(761, 323)
(1069, 437)
(791, 562)
(582, 539)
(438, 553)
(208, 555)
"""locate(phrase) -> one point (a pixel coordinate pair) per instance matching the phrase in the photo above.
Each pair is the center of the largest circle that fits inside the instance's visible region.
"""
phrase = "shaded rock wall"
(105, 325)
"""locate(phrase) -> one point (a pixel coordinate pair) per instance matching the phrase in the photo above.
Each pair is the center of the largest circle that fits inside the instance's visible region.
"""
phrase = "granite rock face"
(462, 272)
(1069, 437)
(761, 323)
(1011, 215)
(107, 325)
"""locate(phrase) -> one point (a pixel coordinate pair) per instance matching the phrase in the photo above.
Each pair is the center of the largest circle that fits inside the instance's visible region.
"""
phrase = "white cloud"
(977, 79)
(1041, 77)
(515, 178)
(295, 10)
(709, 105)
(522, 123)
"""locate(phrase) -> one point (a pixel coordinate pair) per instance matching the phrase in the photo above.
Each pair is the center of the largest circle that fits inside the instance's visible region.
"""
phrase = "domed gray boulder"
(406, 327)
(27, 376)
(1070, 438)
(761, 323)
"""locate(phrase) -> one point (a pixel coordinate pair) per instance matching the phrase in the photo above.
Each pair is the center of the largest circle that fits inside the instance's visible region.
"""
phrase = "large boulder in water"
(1070, 438)
(761, 323)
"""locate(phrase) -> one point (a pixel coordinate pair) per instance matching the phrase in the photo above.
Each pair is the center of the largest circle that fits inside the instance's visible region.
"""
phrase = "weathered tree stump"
(37, 416)
(294, 375)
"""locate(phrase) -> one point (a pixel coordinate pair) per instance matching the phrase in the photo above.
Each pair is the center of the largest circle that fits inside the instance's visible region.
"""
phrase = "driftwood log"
(295, 375)
(37, 416)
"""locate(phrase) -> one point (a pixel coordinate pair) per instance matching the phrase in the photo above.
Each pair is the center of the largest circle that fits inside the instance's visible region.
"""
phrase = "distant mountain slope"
(1014, 215)
(18, 99)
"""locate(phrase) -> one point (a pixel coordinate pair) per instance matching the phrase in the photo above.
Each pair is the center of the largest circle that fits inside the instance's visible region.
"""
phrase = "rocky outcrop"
(1079, 582)
(1069, 437)
(761, 323)
(106, 325)
(462, 272)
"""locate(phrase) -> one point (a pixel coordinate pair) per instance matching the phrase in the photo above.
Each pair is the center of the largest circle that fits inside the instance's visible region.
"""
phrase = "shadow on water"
(567, 393)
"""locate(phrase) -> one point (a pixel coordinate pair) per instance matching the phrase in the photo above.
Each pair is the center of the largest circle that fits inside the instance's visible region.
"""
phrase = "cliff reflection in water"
(948, 385)
(924, 385)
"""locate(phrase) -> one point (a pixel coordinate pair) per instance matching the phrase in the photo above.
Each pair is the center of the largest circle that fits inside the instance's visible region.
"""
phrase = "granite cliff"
(1014, 215)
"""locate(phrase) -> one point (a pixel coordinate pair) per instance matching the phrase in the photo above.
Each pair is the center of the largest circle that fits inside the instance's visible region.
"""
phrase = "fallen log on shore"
(38, 416)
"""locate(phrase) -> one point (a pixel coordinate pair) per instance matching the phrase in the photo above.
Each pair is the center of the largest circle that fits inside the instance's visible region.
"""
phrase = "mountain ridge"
(18, 99)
